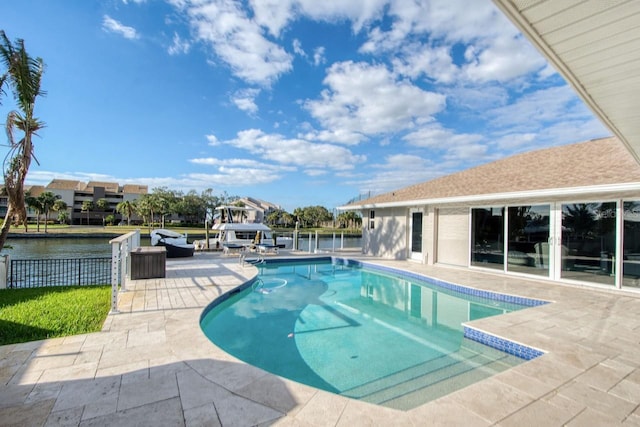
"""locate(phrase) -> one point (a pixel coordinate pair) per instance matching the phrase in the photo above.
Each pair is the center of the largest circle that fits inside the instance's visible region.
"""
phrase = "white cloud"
(237, 40)
(468, 152)
(236, 177)
(272, 14)
(514, 141)
(423, 35)
(245, 100)
(178, 46)
(297, 48)
(397, 171)
(359, 12)
(370, 100)
(238, 172)
(318, 56)
(504, 59)
(420, 59)
(315, 172)
(276, 14)
(110, 25)
(295, 152)
(437, 137)
(537, 109)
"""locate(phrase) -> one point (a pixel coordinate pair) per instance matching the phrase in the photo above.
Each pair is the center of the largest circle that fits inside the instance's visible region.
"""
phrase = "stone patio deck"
(152, 365)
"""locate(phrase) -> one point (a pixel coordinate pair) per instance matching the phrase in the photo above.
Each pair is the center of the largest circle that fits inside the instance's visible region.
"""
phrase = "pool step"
(427, 381)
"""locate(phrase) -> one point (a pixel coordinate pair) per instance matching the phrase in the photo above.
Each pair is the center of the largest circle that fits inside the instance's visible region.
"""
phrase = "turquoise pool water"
(357, 332)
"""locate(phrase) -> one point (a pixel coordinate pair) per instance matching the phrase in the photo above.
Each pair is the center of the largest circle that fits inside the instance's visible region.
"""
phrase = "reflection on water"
(49, 248)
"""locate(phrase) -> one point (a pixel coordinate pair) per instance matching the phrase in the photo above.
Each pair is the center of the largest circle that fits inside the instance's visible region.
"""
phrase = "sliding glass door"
(487, 237)
(528, 239)
(588, 242)
(631, 245)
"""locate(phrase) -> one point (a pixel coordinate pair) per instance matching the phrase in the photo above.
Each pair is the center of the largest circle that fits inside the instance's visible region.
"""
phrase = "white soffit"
(595, 45)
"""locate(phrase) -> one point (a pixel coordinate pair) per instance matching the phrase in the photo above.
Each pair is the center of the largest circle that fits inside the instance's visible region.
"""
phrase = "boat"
(232, 230)
(175, 243)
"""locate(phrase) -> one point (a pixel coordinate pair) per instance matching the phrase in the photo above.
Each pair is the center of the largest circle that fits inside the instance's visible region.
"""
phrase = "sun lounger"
(230, 249)
(265, 248)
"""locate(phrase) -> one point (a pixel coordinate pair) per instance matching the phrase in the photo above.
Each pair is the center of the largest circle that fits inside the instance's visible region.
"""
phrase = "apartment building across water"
(75, 193)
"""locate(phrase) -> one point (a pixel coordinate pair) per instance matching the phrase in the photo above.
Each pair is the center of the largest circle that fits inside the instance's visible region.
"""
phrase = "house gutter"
(475, 198)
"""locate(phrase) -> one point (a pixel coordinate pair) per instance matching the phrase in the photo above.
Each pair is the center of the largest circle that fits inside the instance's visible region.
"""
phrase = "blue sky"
(297, 102)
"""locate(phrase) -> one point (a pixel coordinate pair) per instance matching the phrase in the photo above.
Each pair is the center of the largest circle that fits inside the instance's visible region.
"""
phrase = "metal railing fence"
(32, 273)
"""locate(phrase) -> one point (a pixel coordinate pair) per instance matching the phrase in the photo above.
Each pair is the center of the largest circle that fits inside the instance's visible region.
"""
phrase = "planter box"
(148, 262)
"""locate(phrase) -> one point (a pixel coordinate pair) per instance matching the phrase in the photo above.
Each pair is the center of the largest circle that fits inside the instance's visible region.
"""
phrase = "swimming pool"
(360, 331)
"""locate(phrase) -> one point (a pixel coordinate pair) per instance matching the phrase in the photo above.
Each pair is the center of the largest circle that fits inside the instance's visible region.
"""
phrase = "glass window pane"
(588, 242)
(528, 250)
(416, 232)
(487, 237)
(631, 251)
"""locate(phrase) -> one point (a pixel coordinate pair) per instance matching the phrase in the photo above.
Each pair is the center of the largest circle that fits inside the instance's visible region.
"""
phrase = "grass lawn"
(39, 313)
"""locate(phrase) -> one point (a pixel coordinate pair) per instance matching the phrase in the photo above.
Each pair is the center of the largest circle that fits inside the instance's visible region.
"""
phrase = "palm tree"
(103, 205)
(87, 206)
(47, 200)
(61, 206)
(126, 208)
(23, 75)
(34, 204)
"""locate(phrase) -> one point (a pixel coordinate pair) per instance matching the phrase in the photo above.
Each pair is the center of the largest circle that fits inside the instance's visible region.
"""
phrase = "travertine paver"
(152, 365)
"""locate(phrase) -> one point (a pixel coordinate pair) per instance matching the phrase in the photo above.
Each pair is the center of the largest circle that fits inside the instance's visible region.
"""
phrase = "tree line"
(191, 207)
(196, 209)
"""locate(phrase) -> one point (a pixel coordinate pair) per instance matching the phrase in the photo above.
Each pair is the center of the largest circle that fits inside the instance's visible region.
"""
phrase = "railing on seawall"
(121, 248)
(311, 242)
(37, 273)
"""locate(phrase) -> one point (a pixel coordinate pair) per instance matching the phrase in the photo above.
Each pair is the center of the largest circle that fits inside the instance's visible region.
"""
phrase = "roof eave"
(479, 198)
(507, 7)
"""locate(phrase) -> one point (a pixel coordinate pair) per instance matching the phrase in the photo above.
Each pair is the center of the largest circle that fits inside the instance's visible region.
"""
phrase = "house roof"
(135, 189)
(111, 187)
(64, 184)
(592, 166)
(259, 204)
(34, 190)
(594, 46)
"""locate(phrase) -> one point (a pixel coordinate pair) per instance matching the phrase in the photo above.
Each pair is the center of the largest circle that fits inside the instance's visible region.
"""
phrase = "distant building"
(260, 209)
(74, 193)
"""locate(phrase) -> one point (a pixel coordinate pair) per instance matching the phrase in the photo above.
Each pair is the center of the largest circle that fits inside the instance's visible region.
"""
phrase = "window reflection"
(487, 237)
(631, 251)
(528, 250)
(588, 242)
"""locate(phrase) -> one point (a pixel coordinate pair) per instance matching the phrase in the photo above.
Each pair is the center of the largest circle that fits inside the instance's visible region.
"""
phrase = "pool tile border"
(512, 299)
(507, 346)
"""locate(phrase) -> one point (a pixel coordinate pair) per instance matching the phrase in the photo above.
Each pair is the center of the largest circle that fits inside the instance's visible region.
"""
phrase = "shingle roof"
(64, 184)
(597, 162)
(34, 190)
(108, 186)
(135, 189)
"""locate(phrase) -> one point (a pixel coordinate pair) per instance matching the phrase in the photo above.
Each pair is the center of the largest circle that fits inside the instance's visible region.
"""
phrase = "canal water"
(84, 247)
(57, 248)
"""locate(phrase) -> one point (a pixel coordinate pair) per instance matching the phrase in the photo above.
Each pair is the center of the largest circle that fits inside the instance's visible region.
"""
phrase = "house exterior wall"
(452, 236)
(385, 235)
(429, 238)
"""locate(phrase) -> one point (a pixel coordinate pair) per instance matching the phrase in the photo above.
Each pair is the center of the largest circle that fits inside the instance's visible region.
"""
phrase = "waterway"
(85, 247)
(57, 248)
